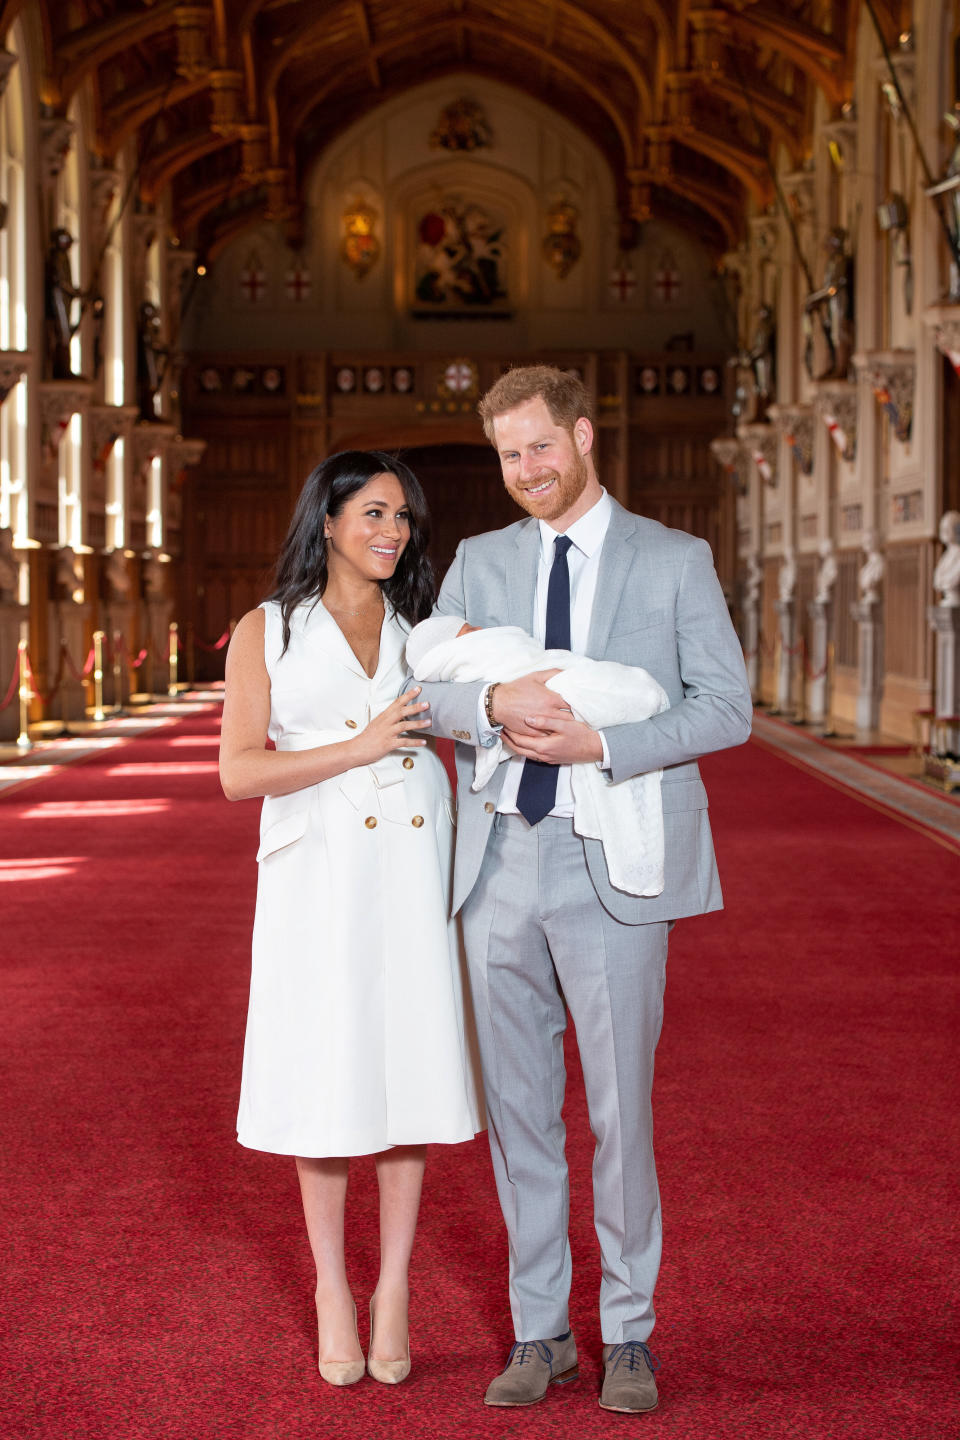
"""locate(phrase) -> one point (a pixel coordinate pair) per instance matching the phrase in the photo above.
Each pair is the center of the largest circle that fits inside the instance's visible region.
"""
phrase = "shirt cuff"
(603, 764)
(488, 734)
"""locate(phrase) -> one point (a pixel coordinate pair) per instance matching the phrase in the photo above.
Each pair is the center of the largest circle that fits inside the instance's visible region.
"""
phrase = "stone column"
(868, 616)
(945, 624)
(818, 691)
(786, 626)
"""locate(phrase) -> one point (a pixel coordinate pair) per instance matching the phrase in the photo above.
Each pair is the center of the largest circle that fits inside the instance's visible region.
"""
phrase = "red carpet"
(158, 1282)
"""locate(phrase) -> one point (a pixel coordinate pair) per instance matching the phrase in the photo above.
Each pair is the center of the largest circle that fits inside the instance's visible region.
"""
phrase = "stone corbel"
(762, 443)
(182, 452)
(798, 186)
(944, 321)
(838, 405)
(7, 62)
(144, 226)
(892, 375)
(104, 184)
(106, 424)
(13, 365)
(841, 136)
(905, 66)
(728, 452)
(60, 400)
(147, 441)
(56, 137)
(796, 424)
(765, 236)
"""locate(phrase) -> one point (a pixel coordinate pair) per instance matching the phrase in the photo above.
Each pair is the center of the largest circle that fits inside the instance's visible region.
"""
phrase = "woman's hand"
(386, 732)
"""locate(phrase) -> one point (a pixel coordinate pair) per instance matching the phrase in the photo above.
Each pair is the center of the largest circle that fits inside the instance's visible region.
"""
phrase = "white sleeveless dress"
(359, 1035)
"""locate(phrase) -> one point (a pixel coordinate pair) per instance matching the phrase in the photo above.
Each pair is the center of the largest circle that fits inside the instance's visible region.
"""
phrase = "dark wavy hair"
(302, 563)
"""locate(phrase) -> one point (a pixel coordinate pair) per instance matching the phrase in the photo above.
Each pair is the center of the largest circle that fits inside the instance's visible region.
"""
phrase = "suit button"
(408, 763)
(371, 822)
(350, 724)
(417, 821)
(489, 807)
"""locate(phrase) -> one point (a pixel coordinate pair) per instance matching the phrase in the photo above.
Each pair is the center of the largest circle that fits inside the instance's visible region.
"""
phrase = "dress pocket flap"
(282, 832)
(683, 795)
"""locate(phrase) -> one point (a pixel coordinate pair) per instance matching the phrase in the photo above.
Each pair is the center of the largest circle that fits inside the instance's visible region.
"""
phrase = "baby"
(627, 818)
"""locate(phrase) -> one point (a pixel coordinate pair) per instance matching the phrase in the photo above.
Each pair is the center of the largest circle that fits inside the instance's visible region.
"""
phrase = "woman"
(356, 1038)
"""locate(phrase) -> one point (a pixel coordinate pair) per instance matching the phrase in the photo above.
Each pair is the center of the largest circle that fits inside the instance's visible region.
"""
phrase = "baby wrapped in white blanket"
(627, 818)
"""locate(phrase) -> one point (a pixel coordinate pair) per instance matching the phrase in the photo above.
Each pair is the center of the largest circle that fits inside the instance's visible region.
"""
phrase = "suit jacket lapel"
(616, 558)
(522, 576)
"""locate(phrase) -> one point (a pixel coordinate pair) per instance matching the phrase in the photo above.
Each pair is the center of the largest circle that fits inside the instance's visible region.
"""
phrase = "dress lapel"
(522, 576)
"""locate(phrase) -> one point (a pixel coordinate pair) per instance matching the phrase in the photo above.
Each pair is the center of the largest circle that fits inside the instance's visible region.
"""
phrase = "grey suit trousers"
(536, 935)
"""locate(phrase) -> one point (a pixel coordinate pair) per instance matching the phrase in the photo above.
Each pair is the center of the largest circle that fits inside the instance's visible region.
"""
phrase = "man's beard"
(570, 485)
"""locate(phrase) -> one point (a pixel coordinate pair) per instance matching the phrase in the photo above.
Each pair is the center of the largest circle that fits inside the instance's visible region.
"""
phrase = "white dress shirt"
(583, 563)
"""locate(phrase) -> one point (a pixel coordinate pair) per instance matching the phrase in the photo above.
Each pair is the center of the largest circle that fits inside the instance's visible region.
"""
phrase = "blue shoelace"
(630, 1353)
(523, 1351)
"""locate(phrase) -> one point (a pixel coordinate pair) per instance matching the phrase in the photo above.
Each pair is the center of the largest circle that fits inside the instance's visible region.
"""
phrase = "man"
(544, 928)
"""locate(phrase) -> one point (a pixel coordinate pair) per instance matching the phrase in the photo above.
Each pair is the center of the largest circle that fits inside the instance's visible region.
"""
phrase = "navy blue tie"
(537, 792)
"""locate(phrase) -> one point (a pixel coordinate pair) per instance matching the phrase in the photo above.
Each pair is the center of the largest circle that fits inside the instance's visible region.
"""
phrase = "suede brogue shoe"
(628, 1383)
(533, 1366)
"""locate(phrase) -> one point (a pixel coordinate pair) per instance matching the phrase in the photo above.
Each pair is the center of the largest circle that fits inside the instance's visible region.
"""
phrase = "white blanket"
(627, 818)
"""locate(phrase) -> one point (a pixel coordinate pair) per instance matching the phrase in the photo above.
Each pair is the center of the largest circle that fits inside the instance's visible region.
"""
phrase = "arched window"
(70, 478)
(13, 285)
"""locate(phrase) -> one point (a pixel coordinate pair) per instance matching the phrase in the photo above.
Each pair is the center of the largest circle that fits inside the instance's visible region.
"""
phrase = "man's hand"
(555, 739)
(515, 700)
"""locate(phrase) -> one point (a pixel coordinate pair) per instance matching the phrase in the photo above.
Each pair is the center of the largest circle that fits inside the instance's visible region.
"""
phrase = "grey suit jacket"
(658, 604)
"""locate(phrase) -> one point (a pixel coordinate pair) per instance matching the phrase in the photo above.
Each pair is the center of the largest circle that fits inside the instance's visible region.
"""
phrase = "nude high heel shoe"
(388, 1372)
(343, 1372)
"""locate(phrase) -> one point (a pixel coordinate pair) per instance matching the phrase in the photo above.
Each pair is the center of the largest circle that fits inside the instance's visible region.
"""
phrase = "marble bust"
(870, 576)
(946, 576)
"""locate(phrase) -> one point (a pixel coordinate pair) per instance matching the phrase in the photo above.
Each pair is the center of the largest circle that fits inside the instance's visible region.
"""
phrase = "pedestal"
(785, 625)
(818, 690)
(751, 644)
(869, 663)
(945, 623)
(12, 617)
(67, 625)
(116, 620)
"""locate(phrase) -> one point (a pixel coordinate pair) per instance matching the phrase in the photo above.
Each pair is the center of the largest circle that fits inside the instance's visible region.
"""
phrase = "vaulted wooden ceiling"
(232, 100)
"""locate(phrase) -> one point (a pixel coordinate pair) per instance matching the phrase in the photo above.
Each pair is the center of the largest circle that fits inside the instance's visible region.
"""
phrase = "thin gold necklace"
(346, 610)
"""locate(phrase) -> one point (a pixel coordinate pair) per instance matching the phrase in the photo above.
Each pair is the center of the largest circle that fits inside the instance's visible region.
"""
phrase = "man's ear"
(583, 435)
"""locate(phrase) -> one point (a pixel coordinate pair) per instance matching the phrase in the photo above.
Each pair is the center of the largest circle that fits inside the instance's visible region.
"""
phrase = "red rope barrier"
(123, 650)
(88, 665)
(217, 644)
(44, 696)
(13, 687)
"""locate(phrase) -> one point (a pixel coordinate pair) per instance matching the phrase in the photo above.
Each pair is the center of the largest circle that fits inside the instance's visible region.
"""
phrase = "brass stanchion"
(117, 672)
(99, 714)
(26, 695)
(172, 684)
(777, 646)
(191, 656)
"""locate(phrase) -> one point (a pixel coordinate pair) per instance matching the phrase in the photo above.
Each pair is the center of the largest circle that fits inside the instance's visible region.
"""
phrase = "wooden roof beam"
(366, 39)
(125, 115)
(162, 168)
(80, 51)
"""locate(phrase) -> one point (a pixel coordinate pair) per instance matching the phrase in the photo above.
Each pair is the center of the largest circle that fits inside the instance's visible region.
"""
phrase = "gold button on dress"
(408, 763)
(371, 822)
(417, 821)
